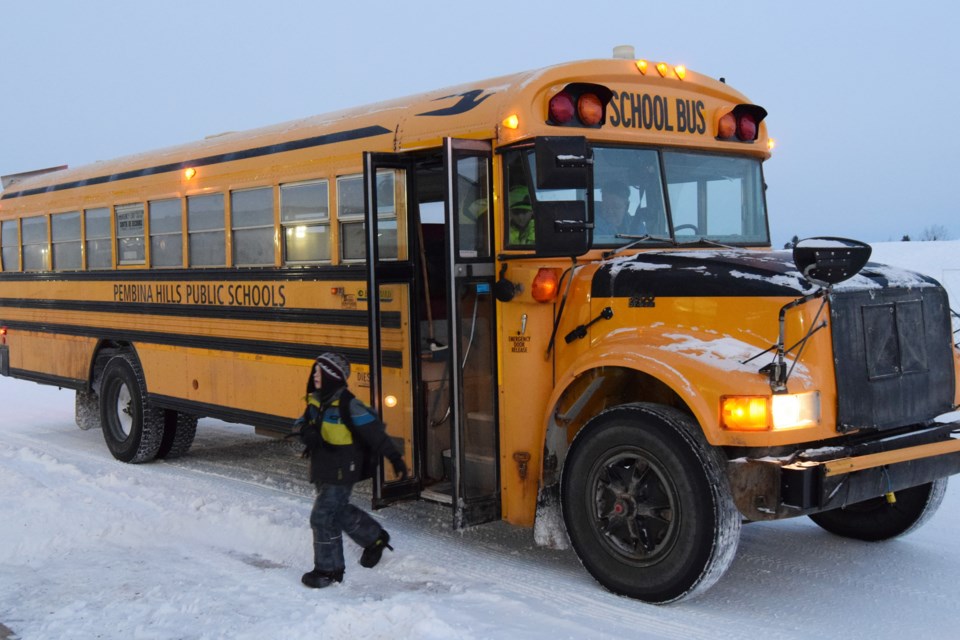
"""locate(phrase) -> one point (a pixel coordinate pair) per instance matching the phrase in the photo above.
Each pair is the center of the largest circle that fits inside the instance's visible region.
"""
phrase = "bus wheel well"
(105, 350)
(589, 394)
(605, 387)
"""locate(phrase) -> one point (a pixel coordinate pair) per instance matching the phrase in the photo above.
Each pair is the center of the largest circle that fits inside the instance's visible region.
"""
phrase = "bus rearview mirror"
(561, 228)
(563, 162)
(828, 261)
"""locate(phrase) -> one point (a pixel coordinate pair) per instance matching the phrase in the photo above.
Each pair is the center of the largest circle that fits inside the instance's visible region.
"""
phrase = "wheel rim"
(634, 506)
(124, 411)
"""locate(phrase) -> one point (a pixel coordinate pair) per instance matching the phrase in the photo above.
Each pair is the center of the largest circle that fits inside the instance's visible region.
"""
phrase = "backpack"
(371, 459)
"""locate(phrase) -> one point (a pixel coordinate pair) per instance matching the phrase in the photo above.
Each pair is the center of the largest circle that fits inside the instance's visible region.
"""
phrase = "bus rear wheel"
(877, 519)
(179, 430)
(132, 429)
(647, 505)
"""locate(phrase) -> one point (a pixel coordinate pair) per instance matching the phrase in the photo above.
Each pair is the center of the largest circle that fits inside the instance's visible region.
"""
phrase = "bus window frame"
(130, 207)
(543, 208)
(322, 221)
(271, 225)
(355, 218)
(66, 242)
(765, 241)
(222, 230)
(106, 241)
(45, 245)
(7, 268)
(163, 235)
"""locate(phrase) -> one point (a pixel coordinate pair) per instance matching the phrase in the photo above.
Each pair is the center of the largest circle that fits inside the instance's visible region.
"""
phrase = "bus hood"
(728, 273)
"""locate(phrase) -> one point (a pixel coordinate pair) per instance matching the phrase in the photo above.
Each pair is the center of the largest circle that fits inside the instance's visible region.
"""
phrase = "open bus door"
(464, 395)
(472, 332)
(390, 307)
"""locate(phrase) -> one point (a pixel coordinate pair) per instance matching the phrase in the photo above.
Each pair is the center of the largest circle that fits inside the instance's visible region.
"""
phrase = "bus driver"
(612, 215)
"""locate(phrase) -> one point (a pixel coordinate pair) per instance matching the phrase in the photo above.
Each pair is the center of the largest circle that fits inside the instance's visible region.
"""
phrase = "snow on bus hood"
(725, 353)
(727, 273)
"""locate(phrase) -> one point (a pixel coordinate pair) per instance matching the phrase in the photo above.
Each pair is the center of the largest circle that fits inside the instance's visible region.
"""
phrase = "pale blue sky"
(862, 96)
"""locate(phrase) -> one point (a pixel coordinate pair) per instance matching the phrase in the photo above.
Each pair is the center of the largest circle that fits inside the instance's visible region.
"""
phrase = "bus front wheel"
(132, 429)
(647, 505)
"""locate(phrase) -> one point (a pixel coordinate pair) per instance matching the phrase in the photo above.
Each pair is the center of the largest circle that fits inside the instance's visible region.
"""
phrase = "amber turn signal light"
(745, 413)
(545, 285)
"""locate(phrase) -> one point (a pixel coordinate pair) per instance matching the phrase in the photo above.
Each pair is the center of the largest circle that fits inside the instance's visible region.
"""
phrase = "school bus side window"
(97, 224)
(473, 180)
(205, 224)
(35, 248)
(305, 219)
(65, 232)
(251, 220)
(10, 240)
(166, 233)
(130, 247)
(518, 206)
(350, 213)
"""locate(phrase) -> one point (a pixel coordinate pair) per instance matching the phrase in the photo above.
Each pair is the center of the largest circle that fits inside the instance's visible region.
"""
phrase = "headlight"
(794, 410)
(762, 413)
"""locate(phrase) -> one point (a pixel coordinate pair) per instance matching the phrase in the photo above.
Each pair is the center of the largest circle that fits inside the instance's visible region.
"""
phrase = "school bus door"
(470, 350)
(394, 365)
(472, 332)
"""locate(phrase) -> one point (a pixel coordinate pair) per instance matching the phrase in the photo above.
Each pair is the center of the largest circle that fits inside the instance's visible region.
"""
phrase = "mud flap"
(548, 528)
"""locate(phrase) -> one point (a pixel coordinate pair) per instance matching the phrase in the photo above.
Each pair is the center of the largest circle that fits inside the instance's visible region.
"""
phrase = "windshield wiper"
(704, 242)
(635, 240)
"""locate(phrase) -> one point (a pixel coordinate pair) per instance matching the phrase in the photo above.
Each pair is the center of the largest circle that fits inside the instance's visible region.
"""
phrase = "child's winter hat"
(334, 366)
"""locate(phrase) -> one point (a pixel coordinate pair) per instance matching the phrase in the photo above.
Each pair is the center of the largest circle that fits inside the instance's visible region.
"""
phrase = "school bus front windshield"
(718, 198)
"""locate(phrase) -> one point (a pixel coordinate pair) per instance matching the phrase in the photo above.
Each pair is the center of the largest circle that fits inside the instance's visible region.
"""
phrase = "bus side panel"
(51, 354)
(245, 382)
(525, 387)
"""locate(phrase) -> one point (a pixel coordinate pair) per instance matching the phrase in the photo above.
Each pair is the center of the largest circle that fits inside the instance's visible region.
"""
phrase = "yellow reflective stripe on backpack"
(336, 433)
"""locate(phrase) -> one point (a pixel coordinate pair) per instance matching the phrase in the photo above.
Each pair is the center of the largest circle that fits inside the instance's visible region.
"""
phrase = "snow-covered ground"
(213, 546)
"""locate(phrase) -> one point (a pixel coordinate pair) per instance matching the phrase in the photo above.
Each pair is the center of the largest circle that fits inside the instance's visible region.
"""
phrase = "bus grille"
(893, 356)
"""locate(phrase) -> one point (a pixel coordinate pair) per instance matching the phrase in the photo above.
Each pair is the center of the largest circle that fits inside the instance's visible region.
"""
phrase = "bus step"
(444, 497)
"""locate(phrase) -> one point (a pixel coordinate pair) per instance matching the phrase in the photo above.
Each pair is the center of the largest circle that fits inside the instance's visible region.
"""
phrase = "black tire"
(179, 430)
(647, 504)
(86, 410)
(876, 519)
(132, 429)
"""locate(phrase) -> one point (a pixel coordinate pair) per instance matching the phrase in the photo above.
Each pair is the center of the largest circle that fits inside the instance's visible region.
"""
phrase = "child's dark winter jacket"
(343, 451)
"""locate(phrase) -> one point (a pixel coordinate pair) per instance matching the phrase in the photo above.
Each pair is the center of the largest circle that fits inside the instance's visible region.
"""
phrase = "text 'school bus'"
(556, 287)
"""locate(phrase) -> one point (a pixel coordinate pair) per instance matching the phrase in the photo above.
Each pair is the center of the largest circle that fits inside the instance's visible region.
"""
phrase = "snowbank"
(940, 260)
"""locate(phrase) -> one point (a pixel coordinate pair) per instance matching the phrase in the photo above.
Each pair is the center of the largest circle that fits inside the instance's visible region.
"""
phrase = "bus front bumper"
(831, 477)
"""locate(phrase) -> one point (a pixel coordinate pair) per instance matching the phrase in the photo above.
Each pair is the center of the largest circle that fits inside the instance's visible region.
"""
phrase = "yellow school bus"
(557, 288)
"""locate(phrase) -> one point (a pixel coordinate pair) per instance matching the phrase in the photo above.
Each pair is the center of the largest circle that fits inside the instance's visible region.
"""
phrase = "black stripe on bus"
(46, 378)
(280, 424)
(321, 274)
(259, 347)
(244, 154)
(342, 317)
